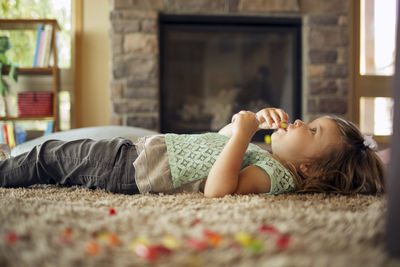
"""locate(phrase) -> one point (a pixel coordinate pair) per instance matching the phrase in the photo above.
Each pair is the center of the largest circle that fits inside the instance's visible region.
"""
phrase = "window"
(377, 115)
(23, 42)
(378, 31)
(23, 48)
(377, 52)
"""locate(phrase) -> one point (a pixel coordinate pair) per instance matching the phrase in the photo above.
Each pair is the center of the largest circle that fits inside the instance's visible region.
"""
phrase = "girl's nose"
(298, 123)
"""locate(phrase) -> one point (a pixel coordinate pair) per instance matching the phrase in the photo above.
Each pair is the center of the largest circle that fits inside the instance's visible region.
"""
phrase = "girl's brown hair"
(350, 168)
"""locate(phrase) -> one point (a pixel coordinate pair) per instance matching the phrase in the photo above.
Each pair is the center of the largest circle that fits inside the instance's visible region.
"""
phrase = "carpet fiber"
(51, 226)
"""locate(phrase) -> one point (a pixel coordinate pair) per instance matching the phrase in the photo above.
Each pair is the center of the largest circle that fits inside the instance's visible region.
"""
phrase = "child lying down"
(328, 154)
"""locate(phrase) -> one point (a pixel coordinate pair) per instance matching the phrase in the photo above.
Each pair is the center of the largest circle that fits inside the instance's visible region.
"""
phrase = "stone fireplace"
(137, 67)
(214, 66)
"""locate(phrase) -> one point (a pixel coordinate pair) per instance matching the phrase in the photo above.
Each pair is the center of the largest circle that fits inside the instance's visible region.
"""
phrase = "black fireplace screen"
(212, 67)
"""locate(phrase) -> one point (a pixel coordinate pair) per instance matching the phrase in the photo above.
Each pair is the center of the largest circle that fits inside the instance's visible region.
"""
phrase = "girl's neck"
(287, 164)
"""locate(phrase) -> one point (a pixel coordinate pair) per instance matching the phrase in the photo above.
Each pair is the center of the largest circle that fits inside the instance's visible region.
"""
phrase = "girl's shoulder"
(282, 180)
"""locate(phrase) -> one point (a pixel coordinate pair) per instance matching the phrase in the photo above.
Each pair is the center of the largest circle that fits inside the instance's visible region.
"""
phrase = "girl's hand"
(271, 117)
(245, 123)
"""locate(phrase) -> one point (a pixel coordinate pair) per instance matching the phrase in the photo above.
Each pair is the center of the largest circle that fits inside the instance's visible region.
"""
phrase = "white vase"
(7, 106)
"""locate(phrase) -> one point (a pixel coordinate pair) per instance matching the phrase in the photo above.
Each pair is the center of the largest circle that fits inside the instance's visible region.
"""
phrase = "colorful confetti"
(150, 253)
(140, 240)
(145, 252)
(109, 238)
(249, 242)
(66, 237)
(255, 246)
(269, 229)
(11, 238)
(282, 242)
(92, 248)
(196, 244)
(195, 221)
(213, 238)
(243, 238)
(171, 242)
(113, 240)
(140, 247)
(143, 248)
(161, 250)
(112, 211)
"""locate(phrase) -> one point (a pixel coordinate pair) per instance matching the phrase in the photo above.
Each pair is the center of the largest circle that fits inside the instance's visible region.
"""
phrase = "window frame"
(366, 85)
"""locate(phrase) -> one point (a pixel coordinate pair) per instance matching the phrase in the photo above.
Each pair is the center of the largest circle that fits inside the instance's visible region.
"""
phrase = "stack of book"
(15, 134)
(43, 46)
(12, 134)
(35, 104)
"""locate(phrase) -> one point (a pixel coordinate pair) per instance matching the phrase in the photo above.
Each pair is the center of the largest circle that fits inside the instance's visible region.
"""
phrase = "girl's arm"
(224, 175)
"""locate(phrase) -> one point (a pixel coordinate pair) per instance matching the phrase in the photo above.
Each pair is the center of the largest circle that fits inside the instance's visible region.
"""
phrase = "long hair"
(349, 168)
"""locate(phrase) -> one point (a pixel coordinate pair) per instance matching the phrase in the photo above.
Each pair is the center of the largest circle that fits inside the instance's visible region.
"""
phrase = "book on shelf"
(2, 137)
(38, 34)
(48, 28)
(49, 128)
(7, 134)
(4, 133)
(20, 134)
(40, 52)
(12, 134)
(43, 45)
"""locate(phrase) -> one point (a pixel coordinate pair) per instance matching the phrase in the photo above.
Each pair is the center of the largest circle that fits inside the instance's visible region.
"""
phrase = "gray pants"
(104, 164)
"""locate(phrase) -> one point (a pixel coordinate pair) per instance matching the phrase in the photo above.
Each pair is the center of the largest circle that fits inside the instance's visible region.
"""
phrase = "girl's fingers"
(276, 118)
(260, 117)
(263, 120)
(271, 117)
(269, 120)
(234, 117)
(283, 115)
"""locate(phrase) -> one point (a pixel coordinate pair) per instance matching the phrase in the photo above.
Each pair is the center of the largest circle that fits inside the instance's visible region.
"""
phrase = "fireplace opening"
(214, 66)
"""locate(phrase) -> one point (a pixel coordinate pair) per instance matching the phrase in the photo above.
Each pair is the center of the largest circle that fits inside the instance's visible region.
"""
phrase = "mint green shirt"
(191, 157)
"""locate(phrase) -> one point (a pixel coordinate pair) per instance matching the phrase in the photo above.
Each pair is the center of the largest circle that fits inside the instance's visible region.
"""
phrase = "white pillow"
(95, 133)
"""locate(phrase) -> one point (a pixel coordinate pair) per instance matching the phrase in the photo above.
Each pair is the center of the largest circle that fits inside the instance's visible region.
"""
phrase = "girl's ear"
(304, 169)
(307, 170)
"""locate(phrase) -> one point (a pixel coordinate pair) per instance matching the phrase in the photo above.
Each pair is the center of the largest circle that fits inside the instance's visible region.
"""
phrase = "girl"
(328, 154)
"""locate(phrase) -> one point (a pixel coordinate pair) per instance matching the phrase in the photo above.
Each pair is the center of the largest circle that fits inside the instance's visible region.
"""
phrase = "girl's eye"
(313, 130)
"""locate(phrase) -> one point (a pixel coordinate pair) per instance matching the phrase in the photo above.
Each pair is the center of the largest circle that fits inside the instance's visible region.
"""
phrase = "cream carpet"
(52, 226)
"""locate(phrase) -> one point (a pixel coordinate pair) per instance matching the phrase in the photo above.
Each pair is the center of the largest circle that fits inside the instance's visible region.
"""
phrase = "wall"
(92, 97)
(134, 53)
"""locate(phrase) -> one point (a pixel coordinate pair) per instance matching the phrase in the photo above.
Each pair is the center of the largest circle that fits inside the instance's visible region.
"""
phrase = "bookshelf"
(32, 24)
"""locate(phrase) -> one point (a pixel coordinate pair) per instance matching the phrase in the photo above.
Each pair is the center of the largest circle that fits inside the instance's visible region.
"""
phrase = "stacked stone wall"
(134, 84)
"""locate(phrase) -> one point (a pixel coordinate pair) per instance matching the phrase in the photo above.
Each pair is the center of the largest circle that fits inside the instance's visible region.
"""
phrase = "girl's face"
(301, 143)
